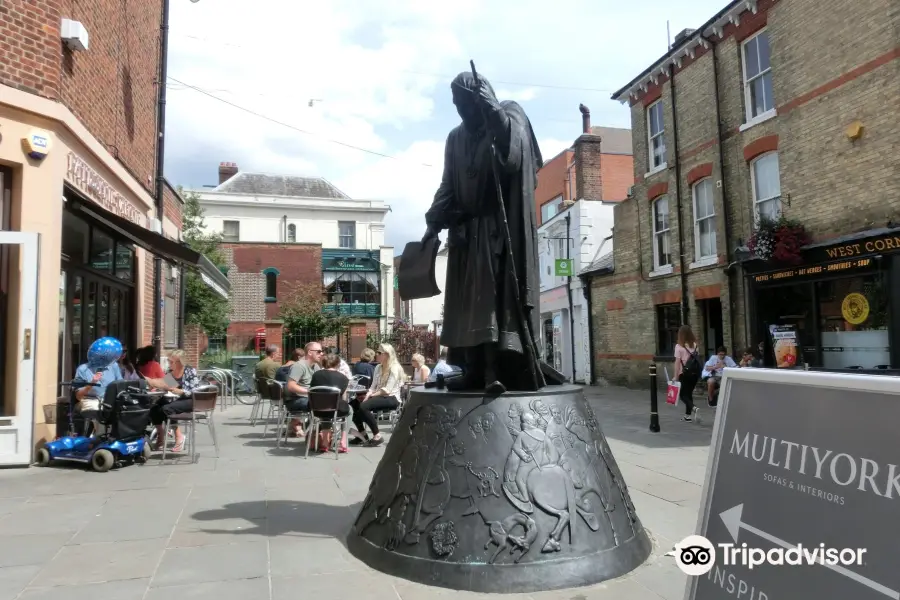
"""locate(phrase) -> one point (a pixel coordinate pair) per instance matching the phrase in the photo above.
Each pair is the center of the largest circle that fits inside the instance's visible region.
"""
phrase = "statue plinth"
(518, 493)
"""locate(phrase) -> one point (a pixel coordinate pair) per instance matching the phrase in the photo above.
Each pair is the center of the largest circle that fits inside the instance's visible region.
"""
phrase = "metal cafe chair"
(263, 395)
(202, 414)
(282, 415)
(322, 401)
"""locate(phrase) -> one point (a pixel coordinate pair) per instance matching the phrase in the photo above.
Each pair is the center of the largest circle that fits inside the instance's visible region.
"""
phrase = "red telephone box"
(260, 340)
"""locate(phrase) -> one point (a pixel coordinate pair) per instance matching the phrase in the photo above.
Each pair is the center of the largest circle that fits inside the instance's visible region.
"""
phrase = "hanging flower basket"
(779, 240)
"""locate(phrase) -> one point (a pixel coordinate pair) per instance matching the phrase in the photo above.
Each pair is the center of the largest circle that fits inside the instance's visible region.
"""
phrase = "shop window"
(124, 262)
(231, 231)
(292, 233)
(101, 257)
(662, 255)
(170, 308)
(353, 293)
(668, 320)
(347, 234)
(271, 275)
(704, 220)
(853, 321)
(75, 238)
(766, 183)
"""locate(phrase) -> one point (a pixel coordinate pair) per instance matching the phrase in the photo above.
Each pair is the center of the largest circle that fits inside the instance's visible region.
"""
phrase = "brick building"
(284, 231)
(78, 141)
(609, 171)
(762, 112)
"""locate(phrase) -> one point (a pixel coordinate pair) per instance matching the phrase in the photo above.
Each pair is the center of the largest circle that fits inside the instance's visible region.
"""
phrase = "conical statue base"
(518, 493)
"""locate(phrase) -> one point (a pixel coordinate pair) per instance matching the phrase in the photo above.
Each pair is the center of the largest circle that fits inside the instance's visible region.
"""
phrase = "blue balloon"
(103, 352)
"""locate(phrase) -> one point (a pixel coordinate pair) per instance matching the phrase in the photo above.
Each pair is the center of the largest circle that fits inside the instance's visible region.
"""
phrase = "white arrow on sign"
(733, 523)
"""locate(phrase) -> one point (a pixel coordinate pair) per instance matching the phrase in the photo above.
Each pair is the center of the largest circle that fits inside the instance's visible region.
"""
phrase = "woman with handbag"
(687, 370)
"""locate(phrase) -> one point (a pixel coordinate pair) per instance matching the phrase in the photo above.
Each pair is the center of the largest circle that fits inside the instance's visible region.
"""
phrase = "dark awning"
(159, 245)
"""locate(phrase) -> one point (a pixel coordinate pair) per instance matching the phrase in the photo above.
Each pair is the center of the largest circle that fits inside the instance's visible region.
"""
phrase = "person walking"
(687, 370)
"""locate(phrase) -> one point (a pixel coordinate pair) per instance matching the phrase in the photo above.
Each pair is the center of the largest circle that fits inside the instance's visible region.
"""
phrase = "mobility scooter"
(125, 415)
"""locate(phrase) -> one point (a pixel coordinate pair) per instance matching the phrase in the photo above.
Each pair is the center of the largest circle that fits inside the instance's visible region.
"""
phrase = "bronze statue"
(486, 201)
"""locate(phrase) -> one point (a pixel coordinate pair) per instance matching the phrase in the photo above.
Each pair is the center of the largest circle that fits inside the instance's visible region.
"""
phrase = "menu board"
(785, 346)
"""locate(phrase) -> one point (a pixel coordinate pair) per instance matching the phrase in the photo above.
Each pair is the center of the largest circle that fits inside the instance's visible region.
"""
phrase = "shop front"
(837, 310)
(76, 244)
(555, 329)
(353, 283)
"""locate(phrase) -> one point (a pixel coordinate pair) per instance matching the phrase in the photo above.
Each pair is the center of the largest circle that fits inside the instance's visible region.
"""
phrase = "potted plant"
(779, 240)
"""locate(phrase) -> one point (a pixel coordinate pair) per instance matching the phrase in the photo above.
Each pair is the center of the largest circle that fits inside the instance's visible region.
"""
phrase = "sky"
(377, 74)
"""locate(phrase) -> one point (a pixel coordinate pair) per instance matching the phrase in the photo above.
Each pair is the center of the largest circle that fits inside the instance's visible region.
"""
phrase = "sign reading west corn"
(565, 267)
(791, 463)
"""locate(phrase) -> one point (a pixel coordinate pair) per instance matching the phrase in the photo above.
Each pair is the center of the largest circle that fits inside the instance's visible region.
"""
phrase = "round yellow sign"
(855, 308)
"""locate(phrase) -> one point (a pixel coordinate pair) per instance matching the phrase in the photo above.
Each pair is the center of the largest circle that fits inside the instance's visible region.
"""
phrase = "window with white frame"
(766, 183)
(292, 233)
(231, 231)
(662, 255)
(758, 95)
(347, 234)
(656, 135)
(550, 209)
(704, 220)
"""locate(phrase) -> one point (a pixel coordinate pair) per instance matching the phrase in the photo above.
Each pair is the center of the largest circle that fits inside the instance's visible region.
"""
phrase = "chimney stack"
(585, 118)
(588, 182)
(227, 170)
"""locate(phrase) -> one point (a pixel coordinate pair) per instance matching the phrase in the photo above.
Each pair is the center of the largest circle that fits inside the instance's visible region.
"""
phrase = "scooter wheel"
(42, 459)
(102, 460)
(145, 454)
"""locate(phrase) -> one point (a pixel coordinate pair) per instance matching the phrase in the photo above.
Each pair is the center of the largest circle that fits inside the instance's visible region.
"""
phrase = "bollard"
(654, 408)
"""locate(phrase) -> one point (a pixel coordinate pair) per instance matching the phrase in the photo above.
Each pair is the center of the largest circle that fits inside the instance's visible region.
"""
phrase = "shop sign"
(890, 243)
(855, 308)
(564, 267)
(801, 459)
(357, 264)
(88, 181)
(815, 270)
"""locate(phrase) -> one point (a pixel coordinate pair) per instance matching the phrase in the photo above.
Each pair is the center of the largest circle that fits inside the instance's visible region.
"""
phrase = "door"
(17, 426)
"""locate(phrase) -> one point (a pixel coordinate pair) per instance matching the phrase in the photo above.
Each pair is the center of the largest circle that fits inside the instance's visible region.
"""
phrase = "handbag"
(672, 392)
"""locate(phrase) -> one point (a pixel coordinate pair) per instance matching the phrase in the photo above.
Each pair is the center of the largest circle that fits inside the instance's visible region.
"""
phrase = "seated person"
(421, 372)
(184, 381)
(442, 367)
(330, 375)
(281, 375)
(149, 368)
(749, 360)
(365, 367)
(383, 394)
(712, 372)
(296, 392)
(268, 366)
(344, 368)
(129, 371)
(101, 369)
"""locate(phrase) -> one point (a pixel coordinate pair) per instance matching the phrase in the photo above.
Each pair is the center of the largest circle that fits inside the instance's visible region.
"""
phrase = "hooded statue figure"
(491, 296)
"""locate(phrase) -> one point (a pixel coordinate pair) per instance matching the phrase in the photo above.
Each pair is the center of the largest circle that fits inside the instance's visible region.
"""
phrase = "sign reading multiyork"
(82, 176)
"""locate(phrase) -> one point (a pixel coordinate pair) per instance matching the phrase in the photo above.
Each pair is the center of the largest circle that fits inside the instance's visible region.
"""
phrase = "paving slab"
(263, 522)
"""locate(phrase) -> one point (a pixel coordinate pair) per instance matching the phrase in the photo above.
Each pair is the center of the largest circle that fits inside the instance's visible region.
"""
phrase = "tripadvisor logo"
(695, 555)
(841, 468)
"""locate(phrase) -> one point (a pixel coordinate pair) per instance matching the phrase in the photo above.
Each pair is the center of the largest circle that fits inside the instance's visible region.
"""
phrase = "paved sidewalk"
(264, 523)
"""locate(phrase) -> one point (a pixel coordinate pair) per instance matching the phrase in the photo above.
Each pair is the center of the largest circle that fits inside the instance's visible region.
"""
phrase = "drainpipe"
(683, 274)
(160, 162)
(726, 220)
(181, 299)
(284, 229)
(569, 291)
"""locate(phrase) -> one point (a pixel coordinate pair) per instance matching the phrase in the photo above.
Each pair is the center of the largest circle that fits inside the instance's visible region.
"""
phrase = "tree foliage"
(203, 306)
(301, 311)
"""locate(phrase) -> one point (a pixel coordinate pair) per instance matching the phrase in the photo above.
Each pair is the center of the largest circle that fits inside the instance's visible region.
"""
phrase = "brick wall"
(111, 87)
(195, 344)
(296, 263)
(836, 186)
(587, 172)
(30, 46)
(617, 174)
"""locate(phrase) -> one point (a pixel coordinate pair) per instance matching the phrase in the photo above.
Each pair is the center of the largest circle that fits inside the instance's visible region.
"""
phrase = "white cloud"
(380, 72)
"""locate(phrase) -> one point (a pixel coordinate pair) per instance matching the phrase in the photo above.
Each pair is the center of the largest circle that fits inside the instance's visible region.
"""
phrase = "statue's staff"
(529, 346)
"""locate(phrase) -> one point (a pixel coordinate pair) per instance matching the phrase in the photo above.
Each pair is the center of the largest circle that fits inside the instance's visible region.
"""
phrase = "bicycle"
(245, 390)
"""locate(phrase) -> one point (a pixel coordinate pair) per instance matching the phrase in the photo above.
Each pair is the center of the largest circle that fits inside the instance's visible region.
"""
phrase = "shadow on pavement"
(284, 518)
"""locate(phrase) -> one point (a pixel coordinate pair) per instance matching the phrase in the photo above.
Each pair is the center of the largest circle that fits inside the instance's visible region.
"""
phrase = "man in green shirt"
(267, 367)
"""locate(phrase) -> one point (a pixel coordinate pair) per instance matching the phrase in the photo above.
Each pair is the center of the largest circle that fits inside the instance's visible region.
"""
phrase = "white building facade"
(580, 232)
(281, 219)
